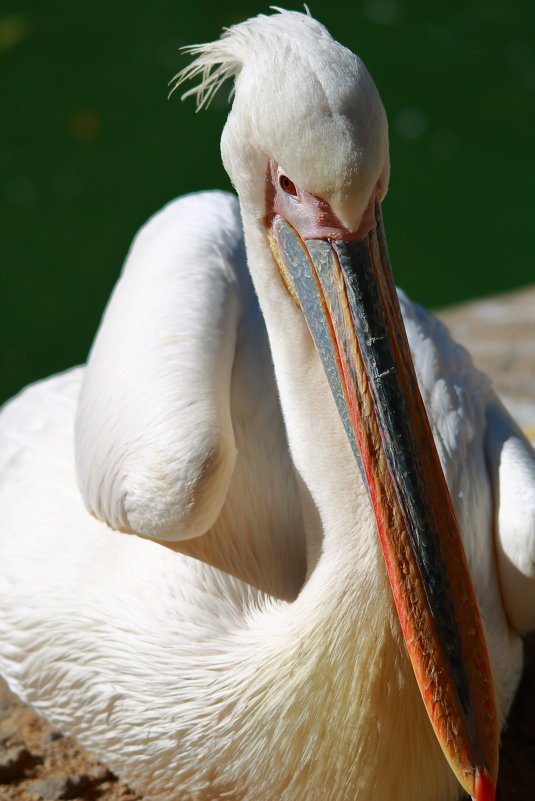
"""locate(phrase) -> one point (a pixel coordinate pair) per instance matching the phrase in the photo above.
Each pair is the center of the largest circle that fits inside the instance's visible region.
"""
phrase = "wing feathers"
(154, 440)
(512, 467)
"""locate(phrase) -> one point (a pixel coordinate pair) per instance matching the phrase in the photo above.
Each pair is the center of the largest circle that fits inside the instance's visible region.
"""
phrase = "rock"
(22, 719)
(57, 788)
(49, 789)
(14, 763)
(51, 736)
(100, 773)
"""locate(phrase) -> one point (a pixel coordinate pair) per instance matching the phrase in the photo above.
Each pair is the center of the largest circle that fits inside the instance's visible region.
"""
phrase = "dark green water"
(90, 147)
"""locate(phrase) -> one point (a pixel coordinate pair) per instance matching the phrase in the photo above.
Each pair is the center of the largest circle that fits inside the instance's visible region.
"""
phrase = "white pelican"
(260, 655)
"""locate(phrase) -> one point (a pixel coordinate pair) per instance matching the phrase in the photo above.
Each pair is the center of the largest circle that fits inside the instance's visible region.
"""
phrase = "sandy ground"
(39, 764)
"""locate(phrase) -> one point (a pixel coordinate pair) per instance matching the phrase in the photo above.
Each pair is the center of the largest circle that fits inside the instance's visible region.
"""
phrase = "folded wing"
(179, 435)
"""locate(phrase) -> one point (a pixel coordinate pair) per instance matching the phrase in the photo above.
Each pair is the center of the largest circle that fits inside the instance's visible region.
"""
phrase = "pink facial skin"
(311, 216)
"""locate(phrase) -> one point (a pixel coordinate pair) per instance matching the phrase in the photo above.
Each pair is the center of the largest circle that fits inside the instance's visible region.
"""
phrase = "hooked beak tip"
(484, 787)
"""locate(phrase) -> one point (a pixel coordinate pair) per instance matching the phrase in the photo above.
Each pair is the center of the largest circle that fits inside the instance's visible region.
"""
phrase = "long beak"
(347, 294)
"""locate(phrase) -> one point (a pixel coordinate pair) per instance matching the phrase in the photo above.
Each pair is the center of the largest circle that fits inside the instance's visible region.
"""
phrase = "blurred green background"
(90, 147)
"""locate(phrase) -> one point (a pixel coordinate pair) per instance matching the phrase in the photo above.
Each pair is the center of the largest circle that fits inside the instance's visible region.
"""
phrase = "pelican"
(276, 540)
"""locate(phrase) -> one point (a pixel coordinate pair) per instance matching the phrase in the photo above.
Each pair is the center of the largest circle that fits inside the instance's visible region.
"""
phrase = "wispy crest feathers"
(218, 61)
(215, 65)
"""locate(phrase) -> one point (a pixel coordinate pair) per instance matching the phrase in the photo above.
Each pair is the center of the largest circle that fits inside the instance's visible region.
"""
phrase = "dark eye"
(287, 185)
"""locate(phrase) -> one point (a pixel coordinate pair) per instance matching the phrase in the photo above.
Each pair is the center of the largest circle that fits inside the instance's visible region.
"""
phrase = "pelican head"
(306, 146)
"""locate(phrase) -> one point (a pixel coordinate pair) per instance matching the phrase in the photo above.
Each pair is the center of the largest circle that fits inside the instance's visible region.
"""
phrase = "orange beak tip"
(484, 787)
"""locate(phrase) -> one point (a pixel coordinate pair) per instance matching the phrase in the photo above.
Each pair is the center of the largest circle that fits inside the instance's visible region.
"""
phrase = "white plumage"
(271, 666)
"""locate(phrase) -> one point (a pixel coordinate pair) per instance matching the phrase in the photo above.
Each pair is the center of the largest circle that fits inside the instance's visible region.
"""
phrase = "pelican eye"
(287, 186)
